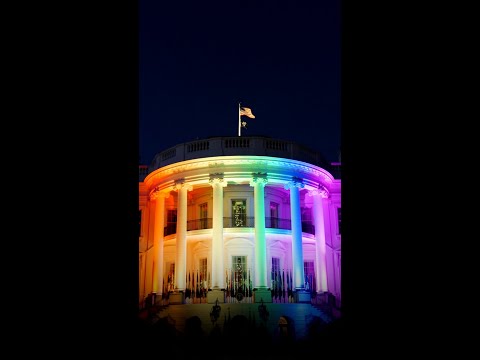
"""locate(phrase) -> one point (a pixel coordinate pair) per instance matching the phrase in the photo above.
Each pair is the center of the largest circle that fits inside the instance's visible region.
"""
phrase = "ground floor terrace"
(235, 320)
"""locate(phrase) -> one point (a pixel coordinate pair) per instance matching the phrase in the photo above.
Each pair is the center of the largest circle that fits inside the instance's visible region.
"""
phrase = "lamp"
(262, 311)
(215, 312)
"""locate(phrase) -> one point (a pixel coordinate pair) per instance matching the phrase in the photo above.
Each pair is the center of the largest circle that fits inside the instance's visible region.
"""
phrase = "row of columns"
(258, 182)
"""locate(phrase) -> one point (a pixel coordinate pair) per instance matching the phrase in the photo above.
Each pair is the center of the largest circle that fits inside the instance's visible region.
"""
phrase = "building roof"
(244, 145)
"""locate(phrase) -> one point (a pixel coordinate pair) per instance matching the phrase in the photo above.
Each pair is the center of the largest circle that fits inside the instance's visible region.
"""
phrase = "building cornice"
(238, 169)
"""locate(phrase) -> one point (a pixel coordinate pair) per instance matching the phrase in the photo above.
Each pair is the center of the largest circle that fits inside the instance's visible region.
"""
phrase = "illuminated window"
(203, 215)
(240, 271)
(239, 213)
(239, 262)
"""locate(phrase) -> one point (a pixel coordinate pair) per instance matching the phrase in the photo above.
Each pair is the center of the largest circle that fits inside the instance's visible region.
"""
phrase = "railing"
(248, 222)
(238, 285)
(308, 227)
(199, 224)
(196, 286)
(276, 223)
(282, 286)
(326, 302)
(198, 146)
(170, 229)
(238, 288)
(286, 224)
(228, 146)
(168, 154)
(237, 143)
(276, 145)
(232, 222)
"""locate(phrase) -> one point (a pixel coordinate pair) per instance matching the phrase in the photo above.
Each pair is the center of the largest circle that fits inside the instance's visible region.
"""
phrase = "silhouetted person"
(193, 338)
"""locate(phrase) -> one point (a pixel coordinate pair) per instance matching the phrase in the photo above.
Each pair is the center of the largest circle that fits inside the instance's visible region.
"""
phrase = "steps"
(298, 315)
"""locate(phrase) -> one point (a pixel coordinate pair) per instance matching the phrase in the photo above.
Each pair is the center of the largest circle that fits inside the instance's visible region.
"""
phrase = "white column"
(159, 198)
(296, 221)
(218, 281)
(181, 264)
(319, 219)
(258, 182)
(329, 242)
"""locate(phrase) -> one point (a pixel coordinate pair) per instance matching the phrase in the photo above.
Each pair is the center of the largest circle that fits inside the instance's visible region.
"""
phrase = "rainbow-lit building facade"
(242, 219)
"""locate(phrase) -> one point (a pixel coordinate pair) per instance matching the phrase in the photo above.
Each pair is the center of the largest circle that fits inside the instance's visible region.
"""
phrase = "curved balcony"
(248, 222)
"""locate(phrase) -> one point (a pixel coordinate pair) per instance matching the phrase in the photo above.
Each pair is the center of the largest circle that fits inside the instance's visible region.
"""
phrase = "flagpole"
(239, 121)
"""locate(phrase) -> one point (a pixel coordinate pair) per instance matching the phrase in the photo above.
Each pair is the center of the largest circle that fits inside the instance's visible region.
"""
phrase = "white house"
(244, 219)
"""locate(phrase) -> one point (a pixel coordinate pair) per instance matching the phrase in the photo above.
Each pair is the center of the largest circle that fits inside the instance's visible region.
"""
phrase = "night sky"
(198, 61)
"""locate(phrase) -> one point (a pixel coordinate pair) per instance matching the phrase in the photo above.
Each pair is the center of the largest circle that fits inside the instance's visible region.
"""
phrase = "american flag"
(247, 112)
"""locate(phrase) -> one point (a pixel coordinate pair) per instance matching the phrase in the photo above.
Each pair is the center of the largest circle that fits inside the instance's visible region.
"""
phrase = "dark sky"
(197, 61)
